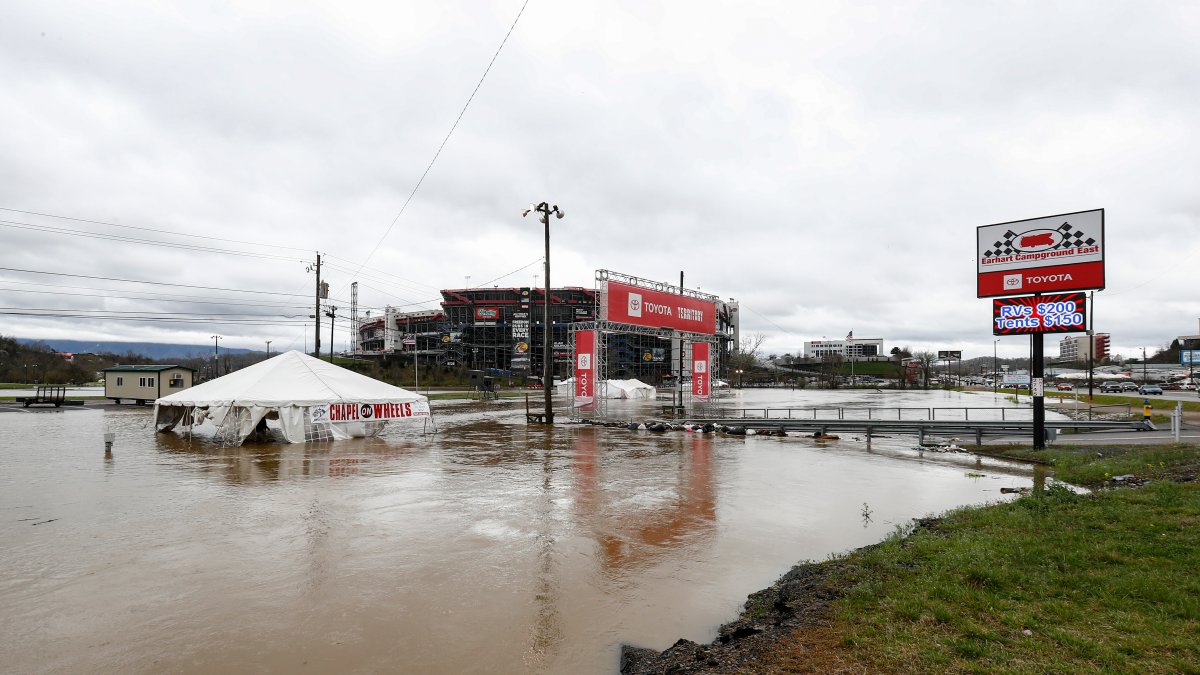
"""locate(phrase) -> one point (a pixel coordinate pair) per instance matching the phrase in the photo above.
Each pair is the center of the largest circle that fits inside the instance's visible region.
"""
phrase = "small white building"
(144, 383)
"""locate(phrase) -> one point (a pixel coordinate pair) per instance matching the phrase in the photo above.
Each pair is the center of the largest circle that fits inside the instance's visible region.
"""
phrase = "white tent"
(311, 399)
(635, 389)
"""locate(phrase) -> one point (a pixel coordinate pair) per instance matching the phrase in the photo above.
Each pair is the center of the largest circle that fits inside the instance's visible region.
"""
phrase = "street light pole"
(546, 210)
(269, 349)
(1144, 365)
(995, 365)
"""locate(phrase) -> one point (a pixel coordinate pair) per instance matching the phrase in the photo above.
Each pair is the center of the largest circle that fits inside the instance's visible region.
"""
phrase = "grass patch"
(1094, 466)
(1100, 582)
(1157, 403)
(1052, 582)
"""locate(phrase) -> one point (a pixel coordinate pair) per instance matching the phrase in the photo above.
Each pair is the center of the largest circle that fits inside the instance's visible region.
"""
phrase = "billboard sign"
(585, 367)
(486, 316)
(1189, 357)
(625, 303)
(1040, 255)
(700, 372)
(1016, 377)
(1030, 315)
(955, 355)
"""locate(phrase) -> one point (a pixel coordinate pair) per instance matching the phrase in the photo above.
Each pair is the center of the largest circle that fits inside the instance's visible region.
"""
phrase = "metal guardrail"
(897, 413)
(977, 428)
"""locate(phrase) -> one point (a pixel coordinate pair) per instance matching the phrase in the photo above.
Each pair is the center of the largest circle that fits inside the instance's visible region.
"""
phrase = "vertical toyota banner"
(1041, 255)
(585, 368)
(700, 381)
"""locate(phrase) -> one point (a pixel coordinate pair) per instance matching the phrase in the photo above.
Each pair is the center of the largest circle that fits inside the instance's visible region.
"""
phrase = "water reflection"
(275, 460)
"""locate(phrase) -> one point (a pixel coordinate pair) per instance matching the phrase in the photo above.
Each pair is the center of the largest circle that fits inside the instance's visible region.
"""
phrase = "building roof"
(150, 368)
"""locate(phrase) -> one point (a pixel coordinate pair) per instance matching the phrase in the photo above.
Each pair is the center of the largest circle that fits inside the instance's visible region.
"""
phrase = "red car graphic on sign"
(1045, 239)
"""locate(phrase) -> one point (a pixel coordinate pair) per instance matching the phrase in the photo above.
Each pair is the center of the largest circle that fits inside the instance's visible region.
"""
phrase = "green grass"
(1133, 399)
(1094, 465)
(12, 385)
(1052, 582)
(1103, 582)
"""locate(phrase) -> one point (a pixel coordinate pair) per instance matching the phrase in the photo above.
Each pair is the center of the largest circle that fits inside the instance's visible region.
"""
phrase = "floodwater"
(488, 547)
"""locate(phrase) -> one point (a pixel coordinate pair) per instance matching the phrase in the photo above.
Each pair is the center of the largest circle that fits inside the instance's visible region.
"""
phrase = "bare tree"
(746, 356)
(926, 361)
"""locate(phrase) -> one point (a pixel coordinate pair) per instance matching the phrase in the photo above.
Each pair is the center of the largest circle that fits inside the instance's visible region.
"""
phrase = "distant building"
(856, 349)
(1082, 347)
(145, 383)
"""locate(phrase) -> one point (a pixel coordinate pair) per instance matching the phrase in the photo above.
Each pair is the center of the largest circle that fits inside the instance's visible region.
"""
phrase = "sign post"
(1040, 256)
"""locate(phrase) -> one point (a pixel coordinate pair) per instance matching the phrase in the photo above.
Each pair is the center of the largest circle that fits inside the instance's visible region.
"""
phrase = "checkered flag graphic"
(1002, 247)
(1071, 238)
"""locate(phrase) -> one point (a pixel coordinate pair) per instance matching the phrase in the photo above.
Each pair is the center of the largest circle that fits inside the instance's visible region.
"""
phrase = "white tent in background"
(632, 389)
(635, 389)
(312, 400)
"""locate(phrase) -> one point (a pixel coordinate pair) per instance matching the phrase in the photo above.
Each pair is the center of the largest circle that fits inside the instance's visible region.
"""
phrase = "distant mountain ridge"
(153, 350)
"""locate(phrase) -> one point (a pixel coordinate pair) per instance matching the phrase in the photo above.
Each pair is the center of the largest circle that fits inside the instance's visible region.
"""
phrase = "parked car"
(1065, 387)
(1147, 389)
(1111, 388)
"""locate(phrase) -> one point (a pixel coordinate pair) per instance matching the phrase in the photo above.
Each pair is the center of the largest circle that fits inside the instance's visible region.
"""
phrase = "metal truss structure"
(604, 329)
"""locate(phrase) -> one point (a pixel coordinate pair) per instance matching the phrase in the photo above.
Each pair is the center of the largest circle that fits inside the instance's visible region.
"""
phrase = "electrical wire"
(135, 240)
(445, 140)
(151, 229)
(149, 299)
(154, 283)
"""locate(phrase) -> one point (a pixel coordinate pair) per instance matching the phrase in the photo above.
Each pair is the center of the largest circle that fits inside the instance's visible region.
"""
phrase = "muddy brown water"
(488, 547)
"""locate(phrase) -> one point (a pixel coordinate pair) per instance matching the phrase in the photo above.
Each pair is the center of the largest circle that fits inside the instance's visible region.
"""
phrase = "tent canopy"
(612, 388)
(299, 390)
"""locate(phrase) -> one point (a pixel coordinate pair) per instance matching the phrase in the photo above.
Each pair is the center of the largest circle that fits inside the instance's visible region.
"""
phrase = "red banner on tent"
(658, 309)
(585, 367)
(700, 383)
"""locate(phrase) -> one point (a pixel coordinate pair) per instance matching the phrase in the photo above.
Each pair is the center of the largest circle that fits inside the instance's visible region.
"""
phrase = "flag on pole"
(850, 335)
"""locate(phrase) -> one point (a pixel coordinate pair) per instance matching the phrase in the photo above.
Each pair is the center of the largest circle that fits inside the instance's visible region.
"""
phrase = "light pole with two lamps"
(546, 210)
(995, 365)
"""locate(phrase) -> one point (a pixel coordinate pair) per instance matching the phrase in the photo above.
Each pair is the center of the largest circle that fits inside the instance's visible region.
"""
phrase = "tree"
(746, 356)
(926, 361)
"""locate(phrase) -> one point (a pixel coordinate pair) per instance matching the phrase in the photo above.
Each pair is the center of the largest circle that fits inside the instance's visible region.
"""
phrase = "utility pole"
(216, 357)
(545, 210)
(269, 349)
(317, 313)
(331, 314)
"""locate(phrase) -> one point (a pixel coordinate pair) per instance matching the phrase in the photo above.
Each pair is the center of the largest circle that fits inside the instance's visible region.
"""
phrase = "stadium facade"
(502, 328)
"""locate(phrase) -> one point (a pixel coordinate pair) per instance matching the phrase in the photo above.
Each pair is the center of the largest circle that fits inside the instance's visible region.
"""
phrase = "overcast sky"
(826, 164)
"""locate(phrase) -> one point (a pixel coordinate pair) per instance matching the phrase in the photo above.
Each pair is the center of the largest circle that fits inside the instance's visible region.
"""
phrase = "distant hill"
(153, 350)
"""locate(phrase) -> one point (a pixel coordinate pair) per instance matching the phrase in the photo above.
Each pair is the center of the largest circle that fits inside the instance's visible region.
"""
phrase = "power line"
(445, 140)
(135, 240)
(176, 298)
(150, 229)
(153, 283)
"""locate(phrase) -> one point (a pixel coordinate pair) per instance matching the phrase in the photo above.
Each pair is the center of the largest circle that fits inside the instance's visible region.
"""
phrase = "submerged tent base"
(312, 400)
(235, 424)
